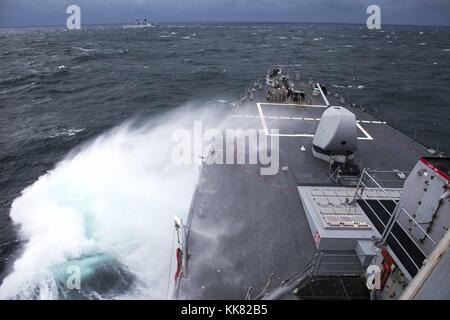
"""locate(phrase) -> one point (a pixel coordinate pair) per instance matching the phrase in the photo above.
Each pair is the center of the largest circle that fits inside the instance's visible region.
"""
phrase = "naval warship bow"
(358, 210)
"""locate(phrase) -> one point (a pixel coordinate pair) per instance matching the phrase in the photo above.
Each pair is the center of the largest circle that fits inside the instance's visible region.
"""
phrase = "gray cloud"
(40, 12)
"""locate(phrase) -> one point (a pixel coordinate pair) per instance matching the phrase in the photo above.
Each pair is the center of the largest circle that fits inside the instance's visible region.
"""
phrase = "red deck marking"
(435, 169)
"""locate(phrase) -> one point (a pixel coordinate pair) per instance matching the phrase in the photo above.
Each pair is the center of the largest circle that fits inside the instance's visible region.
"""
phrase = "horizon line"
(228, 22)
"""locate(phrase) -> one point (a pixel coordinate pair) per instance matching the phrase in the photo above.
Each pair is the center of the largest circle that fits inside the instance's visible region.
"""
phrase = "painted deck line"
(266, 130)
(299, 118)
(306, 135)
(293, 104)
(263, 121)
(367, 135)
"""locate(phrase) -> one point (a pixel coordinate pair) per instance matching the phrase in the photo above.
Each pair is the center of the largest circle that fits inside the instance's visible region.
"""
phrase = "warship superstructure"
(140, 24)
(358, 210)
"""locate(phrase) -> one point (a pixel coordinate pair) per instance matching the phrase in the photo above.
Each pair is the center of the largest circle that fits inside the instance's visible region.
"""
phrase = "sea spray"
(108, 205)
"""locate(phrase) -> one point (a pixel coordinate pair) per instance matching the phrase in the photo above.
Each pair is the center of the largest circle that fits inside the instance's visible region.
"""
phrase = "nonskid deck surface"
(244, 226)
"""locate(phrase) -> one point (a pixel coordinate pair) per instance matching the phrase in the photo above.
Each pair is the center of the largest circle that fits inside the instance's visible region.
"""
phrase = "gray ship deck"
(244, 227)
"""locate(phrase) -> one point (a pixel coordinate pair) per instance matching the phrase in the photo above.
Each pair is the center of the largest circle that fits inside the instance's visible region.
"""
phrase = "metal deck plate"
(245, 226)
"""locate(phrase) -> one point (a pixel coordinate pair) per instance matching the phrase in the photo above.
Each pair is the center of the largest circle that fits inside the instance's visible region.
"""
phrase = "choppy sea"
(74, 186)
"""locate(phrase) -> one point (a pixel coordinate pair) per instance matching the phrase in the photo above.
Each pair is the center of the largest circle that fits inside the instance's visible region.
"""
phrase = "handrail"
(332, 175)
(364, 174)
(289, 283)
(266, 287)
(247, 295)
(394, 216)
(391, 214)
(310, 269)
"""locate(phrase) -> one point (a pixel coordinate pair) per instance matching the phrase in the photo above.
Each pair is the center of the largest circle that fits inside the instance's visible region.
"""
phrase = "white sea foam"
(68, 132)
(83, 49)
(23, 88)
(351, 86)
(117, 197)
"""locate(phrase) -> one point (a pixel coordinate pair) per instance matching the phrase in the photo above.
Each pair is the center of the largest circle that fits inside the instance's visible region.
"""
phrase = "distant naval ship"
(358, 210)
(141, 24)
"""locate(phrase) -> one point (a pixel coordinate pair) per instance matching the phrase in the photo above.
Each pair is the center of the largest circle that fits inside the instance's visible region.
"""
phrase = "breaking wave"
(108, 209)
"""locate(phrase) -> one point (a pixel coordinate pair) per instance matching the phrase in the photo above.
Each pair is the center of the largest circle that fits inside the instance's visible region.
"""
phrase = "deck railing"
(323, 264)
(367, 183)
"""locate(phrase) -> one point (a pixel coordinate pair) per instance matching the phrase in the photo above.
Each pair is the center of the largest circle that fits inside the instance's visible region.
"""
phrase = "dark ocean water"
(61, 88)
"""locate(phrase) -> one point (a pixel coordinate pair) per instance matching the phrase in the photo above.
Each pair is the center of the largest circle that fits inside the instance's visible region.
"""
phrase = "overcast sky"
(53, 12)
